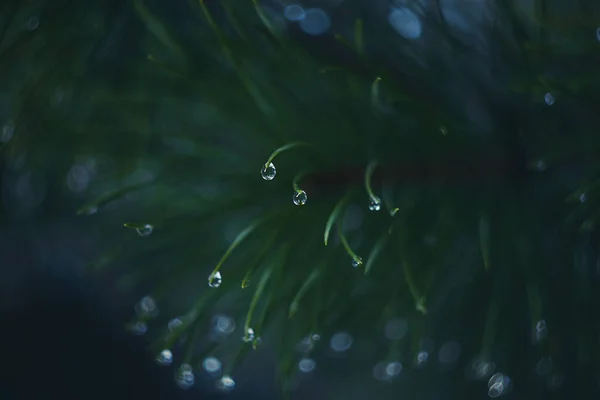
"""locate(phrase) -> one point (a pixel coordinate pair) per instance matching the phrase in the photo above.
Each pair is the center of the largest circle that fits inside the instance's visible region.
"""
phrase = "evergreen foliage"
(475, 148)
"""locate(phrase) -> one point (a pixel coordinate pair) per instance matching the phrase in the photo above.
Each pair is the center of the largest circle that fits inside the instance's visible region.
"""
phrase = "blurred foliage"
(489, 191)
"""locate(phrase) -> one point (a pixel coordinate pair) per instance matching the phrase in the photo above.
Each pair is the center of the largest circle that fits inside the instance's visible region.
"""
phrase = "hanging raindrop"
(146, 307)
(422, 358)
(498, 385)
(306, 365)
(139, 328)
(212, 366)
(164, 358)
(215, 280)
(184, 376)
(357, 262)
(145, 230)
(299, 198)
(174, 324)
(249, 335)
(268, 172)
(225, 384)
(375, 204)
(549, 99)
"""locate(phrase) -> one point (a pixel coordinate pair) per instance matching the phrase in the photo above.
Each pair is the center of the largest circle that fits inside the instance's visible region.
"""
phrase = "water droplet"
(498, 385)
(307, 344)
(549, 99)
(393, 369)
(225, 384)
(540, 165)
(249, 335)
(32, 23)
(315, 22)
(294, 12)
(422, 357)
(212, 366)
(598, 33)
(184, 376)
(146, 307)
(268, 172)
(496, 390)
(375, 204)
(386, 371)
(139, 328)
(357, 262)
(306, 365)
(8, 131)
(215, 280)
(396, 328)
(406, 23)
(224, 325)
(379, 372)
(541, 330)
(341, 342)
(299, 198)
(479, 369)
(145, 230)
(582, 198)
(78, 178)
(91, 210)
(174, 324)
(164, 358)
